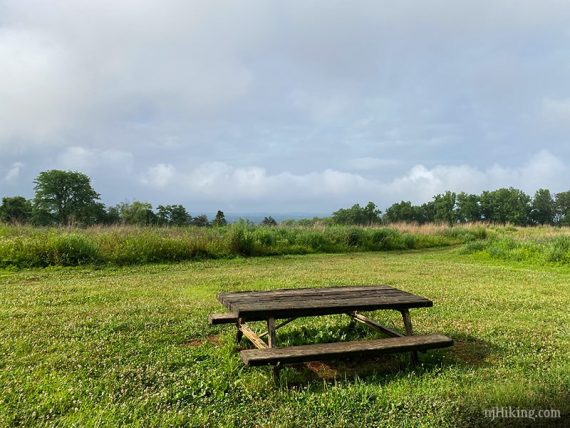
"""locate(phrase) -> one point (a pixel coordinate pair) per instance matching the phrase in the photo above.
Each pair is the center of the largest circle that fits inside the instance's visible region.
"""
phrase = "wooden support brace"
(252, 336)
(279, 326)
(374, 325)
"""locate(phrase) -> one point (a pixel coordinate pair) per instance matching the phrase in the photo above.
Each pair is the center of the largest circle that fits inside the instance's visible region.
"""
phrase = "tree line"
(68, 198)
(505, 205)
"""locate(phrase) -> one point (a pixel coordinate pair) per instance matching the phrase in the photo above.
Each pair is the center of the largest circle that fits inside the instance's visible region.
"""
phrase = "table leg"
(409, 332)
(271, 335)
(272, 342)
(239, 333)
(407, 322)
(278, 326)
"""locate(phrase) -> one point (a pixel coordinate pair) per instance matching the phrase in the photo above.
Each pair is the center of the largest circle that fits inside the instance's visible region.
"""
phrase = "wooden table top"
(299, 302)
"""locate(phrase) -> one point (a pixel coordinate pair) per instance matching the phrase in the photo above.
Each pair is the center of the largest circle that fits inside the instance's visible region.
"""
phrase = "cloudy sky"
(296, 106)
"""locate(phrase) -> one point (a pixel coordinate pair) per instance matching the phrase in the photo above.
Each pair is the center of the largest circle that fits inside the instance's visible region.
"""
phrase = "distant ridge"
(258, 217)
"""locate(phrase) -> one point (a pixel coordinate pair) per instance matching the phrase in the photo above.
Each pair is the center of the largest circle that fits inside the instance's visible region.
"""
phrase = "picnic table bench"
(289, 304)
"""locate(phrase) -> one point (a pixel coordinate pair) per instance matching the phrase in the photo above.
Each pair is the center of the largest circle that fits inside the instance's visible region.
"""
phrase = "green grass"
(533, 248)
(131, 345)
(25, 247)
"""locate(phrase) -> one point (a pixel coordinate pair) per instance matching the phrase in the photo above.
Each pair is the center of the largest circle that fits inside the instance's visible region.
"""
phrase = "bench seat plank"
(327, 351)
(230, 318)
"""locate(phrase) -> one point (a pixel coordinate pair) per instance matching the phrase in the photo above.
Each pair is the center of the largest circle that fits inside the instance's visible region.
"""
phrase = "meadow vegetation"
(26, 246)
(96, 330)
(131, 345)
(537, 245)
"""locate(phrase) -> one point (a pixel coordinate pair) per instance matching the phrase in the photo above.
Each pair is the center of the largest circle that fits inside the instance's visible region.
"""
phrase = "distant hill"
(258, 217)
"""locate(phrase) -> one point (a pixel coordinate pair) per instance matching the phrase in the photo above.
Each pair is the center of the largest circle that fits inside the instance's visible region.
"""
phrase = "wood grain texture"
(328, 351)
(261, 305)
(252, 336)
(230, 318)
(374, 325)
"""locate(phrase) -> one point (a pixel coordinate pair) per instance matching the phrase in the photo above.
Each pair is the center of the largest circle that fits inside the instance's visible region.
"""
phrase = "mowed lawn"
(119, 346)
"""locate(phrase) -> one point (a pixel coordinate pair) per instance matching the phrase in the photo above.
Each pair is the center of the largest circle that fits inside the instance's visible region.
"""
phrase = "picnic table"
(289, 304)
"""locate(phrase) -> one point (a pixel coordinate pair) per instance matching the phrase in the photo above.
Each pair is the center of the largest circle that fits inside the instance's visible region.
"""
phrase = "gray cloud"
(285, 106)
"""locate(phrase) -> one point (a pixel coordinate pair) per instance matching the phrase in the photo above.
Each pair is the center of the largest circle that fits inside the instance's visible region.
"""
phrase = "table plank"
(306, 291)
(301, 297)
(286, 303)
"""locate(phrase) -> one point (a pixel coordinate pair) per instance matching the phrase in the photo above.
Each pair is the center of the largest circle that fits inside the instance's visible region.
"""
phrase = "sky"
(283, 107)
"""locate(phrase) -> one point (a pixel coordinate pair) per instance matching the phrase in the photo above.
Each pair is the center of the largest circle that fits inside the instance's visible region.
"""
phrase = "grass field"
(131, 345)
(26, 246)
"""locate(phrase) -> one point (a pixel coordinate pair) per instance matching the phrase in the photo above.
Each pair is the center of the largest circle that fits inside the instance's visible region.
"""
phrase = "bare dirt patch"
(214, 339)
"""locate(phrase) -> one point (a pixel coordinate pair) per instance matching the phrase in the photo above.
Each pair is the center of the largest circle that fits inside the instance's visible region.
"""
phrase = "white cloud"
(224, 183)
(159, 175)
(421, 183)
(220, 181)
(89, 160)
(13, 172)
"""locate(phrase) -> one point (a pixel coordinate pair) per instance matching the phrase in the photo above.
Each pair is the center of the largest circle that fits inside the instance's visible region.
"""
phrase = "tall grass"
(527, 247)
(40, 247)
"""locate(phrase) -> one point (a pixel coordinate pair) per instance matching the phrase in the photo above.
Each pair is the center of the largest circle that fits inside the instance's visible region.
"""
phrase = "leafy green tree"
(506, 206)
(367, 215)
(402, 211)
(424, 213)
(173, 215)
(371, 214)
(112, 216)
(137, 213)
(562, 207)
(65, 196)
(444, 206)
(543, 208)
(179, 216)
(97, 214)
(41, 217)
(220, 219)
(468, 208)
(15, 209)
(268, 221)
(200, 221)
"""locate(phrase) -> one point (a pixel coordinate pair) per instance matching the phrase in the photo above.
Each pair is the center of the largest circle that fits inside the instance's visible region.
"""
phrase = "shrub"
(473, 247)
(72, 250)
(241, 241)
(354, 237)
(383, 239)
(314, 241)
(559, 250)
(409, 241)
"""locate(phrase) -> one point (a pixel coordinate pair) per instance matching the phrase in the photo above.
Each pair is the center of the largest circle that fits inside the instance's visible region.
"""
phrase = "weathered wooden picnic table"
(289, 304)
